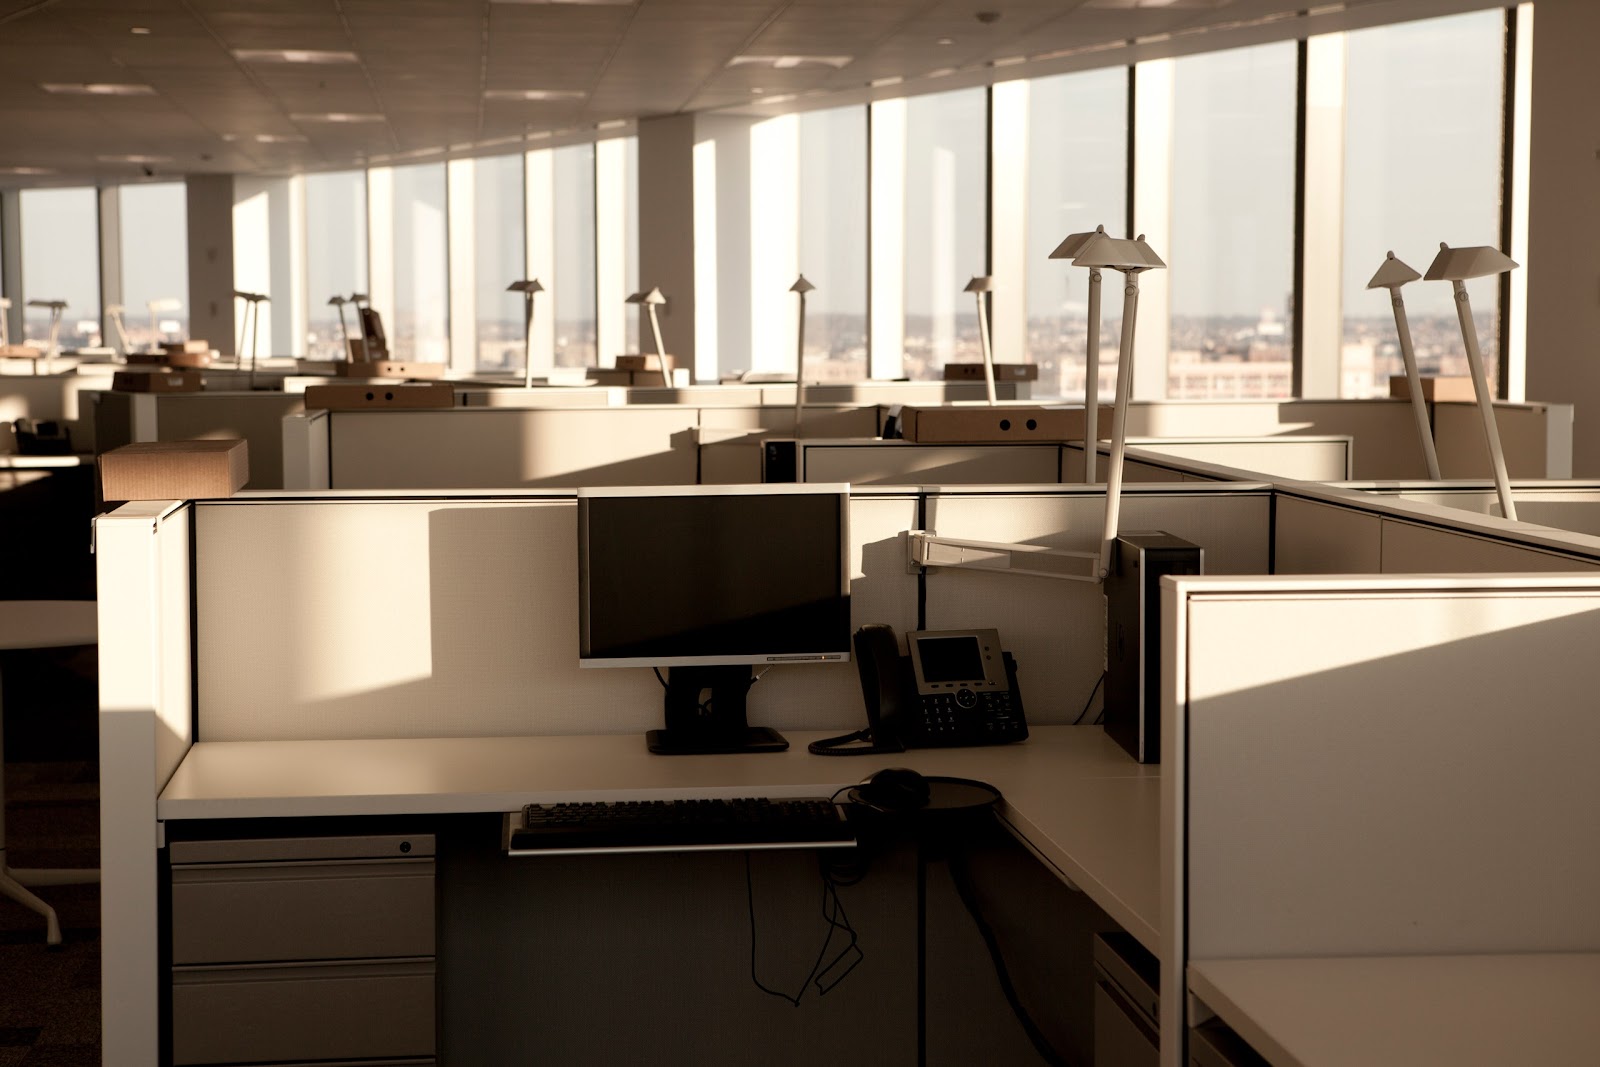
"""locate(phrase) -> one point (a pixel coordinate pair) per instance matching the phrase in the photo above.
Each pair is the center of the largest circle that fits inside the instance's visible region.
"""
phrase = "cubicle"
(388, 632)
(1379, 848)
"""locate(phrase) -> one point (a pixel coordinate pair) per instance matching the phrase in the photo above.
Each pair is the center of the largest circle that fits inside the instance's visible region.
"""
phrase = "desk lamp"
(527, 288)
(978, 287)
(1069, 248)
(344, 331)
(114, 314)
(1455, 265)
(651, 298)
(55, 307)
(252, 313)
(1132, 258)
(1391, 276)
(155, 307)
(361, 300)
(802, 287)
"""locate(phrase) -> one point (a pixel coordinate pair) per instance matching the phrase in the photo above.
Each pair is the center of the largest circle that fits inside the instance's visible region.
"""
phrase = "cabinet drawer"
(321, 909)
(299, 1012)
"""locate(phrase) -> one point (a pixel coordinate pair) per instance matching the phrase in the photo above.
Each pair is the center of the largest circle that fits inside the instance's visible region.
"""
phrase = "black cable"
(1098, 683)
(836, 920)
(963, 883)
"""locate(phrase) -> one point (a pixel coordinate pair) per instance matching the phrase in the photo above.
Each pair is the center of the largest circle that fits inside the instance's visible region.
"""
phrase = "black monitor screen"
(742, 575)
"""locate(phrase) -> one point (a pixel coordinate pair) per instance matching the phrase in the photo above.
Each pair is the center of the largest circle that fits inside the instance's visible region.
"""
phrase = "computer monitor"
(710, 581)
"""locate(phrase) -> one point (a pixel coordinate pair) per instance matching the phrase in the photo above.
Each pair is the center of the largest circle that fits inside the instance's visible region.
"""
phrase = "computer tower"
(1133, 637)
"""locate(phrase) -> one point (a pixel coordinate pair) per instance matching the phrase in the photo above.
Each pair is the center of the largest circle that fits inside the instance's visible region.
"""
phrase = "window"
(1232, 242)
(946, 189)
(833, 240)
(1077, 180)
(1423, 112)
(630, 234)
(574, 289)
(61, 261)
(155, 262)
(336, 258)
(498, 243)
(420, 330)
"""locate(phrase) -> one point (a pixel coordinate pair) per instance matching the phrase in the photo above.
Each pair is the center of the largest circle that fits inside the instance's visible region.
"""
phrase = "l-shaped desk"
(1071, 796)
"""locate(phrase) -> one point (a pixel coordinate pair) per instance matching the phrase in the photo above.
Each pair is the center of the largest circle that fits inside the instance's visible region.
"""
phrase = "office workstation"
(347, 705)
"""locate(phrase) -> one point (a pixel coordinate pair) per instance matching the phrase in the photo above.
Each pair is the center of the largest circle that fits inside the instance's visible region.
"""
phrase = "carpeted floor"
(50, 997)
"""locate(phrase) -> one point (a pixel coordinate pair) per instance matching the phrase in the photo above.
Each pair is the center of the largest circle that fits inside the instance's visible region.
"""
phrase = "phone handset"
(955, 687)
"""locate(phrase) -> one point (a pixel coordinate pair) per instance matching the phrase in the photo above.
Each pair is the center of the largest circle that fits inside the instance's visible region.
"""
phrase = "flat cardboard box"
(1003, 372)
(1456, 387)
(998, 424)
(20, 352)
(170, 359)
(190, 347)
(380, 397)
(156, 381)
(175, 470)
(614, 376)
(391, 368)
(648, 362)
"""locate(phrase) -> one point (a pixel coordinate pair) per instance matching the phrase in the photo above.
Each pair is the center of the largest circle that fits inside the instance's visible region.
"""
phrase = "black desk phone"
(956, 687)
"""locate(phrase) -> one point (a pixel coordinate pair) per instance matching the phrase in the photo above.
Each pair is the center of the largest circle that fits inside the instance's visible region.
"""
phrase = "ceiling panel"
(424, 65)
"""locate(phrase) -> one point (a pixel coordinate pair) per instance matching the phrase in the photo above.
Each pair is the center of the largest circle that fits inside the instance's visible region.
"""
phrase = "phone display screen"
(950, 659)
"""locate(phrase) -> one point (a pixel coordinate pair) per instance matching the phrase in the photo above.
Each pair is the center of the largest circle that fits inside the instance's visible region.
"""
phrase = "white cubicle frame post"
(306, 459)
(144, 731)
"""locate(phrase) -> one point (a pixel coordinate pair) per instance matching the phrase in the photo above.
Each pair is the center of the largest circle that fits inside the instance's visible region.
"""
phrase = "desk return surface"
(1072, 796)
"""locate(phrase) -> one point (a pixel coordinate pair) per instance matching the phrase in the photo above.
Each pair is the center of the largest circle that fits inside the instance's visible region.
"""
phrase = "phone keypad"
(969, 717)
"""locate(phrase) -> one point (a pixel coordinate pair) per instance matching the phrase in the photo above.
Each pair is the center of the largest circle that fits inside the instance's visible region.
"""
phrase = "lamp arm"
(1119, 422)
(1419, 406)
(1480, 386)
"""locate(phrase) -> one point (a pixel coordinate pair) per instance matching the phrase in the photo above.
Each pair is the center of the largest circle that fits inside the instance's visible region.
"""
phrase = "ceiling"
(410, 79)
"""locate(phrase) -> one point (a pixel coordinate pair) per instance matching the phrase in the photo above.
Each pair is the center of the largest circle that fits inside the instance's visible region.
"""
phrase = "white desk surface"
(1072, 796)
(1377, 1011)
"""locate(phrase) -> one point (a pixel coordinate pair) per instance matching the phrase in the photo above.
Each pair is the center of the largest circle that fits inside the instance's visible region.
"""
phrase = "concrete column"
(11, 260)
(210, 218)
(110, 204)
(1563, 264)
(667, 228)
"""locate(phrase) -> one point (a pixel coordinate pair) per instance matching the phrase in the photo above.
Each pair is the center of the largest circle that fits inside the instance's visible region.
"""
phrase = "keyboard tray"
(679, 826)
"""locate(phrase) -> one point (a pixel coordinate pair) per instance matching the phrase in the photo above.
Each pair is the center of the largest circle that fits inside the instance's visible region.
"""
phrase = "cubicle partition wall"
(1537, 437)
(146, 727)
(1332, 530)
(1378, 828)
(520, 447)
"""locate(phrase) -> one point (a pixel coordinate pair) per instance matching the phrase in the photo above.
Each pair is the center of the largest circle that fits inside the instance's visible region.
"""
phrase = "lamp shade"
(1474, 261)
(1129, 255)
(981, 284)
(337, 301)
(1392, 274)
(801, 285)
(53, 304)
(531, 285)
(1074, 243)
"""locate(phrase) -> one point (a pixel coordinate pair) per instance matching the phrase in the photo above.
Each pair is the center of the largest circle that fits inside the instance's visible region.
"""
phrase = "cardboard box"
(156, 381)
(20, 352)
(354, 397)
(175, 470)
(650, 363)
(390, 368)
(190, 347)
(1003, 372)
(1436, 389)
(170, 359)
(613, 376)
(998, 424)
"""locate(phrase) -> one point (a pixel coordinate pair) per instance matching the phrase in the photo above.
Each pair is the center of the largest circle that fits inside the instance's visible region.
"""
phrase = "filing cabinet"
(315, 949)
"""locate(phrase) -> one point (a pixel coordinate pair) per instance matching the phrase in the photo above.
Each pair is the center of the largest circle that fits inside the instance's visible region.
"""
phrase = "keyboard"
(679, 826)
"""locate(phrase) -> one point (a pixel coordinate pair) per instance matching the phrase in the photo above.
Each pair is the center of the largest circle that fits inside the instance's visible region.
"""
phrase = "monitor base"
(698, 743)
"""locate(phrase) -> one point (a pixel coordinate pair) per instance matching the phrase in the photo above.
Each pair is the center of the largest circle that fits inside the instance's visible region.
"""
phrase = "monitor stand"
(716, 725)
